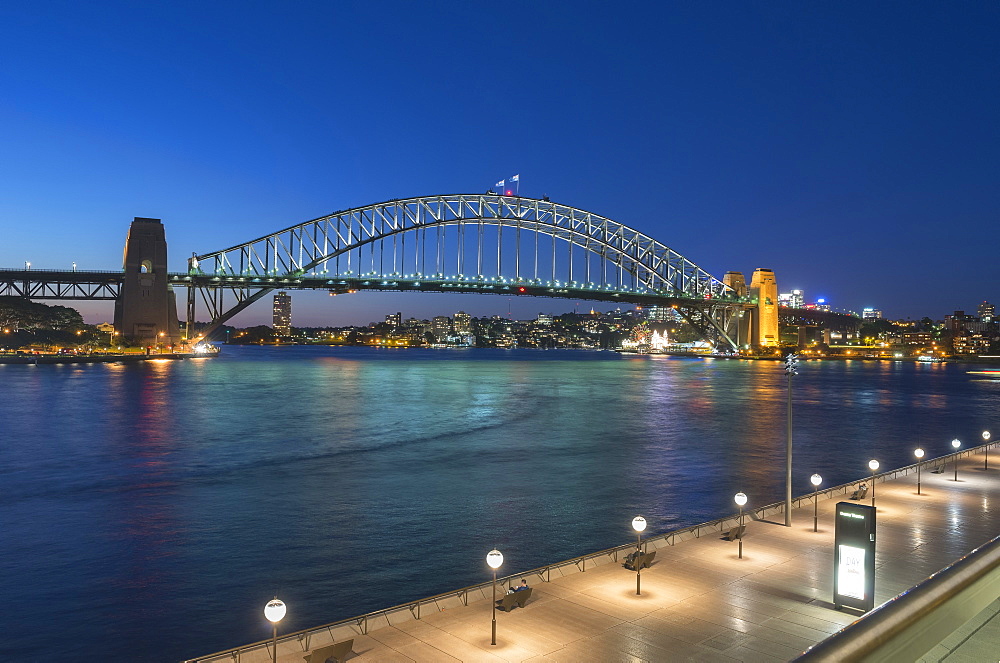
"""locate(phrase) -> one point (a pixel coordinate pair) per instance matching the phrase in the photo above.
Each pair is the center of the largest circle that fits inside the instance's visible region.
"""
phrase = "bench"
(860, 493)
(336, 652)
(640, 561)
(938, 470)
(735, 533)
(514, 598)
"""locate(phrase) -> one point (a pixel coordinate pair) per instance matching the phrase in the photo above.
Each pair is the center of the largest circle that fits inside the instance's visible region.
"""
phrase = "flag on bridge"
(501, 183)
(515, 178)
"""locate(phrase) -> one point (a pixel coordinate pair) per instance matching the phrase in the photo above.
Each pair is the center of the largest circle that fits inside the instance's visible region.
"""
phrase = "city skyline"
(830, 144)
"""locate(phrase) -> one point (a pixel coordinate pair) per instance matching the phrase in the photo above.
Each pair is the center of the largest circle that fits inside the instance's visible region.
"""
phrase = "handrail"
(668, 538)
(906, 627)
(60, 271)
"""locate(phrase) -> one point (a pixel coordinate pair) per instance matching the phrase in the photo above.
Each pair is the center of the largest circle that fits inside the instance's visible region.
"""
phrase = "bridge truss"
(59, 284)
(464, 243)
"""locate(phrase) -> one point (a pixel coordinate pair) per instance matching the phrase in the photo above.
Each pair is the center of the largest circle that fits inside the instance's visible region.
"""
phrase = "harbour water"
(149, 511)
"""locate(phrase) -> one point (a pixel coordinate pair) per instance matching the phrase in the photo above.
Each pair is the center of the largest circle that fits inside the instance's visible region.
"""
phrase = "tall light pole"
(274, 611)
(816, 480)
(791, 368)
(873, 466)
(638, 524)
(741, 499)
(919, 453)
(986, 450)
(494, 559)
(955, 444)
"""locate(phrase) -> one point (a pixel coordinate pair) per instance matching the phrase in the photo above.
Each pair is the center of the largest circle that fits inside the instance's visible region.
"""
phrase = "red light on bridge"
(509, 192)
(522, 289)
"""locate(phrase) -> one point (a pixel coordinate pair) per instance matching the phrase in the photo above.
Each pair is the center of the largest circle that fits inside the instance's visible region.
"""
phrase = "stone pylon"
(146, 310)
(764, 289)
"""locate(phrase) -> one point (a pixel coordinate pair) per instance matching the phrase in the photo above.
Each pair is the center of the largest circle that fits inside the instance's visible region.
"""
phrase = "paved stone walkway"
(699, 601)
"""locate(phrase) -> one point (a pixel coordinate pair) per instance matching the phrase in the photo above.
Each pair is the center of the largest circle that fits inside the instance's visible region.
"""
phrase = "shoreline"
(98, 359)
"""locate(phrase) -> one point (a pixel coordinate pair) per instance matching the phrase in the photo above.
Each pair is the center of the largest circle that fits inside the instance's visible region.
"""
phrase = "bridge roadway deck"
(699, 601)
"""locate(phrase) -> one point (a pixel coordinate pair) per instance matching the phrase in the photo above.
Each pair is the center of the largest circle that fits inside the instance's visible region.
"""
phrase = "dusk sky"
(852, 147)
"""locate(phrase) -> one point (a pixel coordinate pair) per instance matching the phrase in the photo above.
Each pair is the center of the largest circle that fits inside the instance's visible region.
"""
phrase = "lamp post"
(274, 611)
(791, 366)
(919, 453)
(873, 465)
(494, 559)
(741, 499)
(955, 444)
(816, 480)
(638, 524)
(986, 450)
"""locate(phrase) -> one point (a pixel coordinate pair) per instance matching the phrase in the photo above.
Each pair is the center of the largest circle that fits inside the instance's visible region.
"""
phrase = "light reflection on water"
(175, 498)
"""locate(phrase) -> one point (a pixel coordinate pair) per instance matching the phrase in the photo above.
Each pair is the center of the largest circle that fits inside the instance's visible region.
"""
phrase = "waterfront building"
(281, 317)
(970, 343)
(462, 323)
(394, 320)
(871, 314)
(764, 289)
(441, 326)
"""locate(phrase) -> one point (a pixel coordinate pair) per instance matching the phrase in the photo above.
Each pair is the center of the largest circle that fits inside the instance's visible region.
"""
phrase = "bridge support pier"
(146, 309)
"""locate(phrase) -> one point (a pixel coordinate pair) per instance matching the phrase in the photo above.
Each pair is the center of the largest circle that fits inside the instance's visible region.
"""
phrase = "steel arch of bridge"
(473, 242)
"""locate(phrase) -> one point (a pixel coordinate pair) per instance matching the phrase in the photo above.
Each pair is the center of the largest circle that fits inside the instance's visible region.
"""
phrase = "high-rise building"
(871, 314)
(656, 313)
(394, 320)
(793, 299)
(441, 326)
(281, 317)
(462, 323)
(764, 289)
(986, 312)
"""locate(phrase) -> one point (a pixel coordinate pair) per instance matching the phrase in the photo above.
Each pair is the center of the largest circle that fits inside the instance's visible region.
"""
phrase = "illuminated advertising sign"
(854, 557)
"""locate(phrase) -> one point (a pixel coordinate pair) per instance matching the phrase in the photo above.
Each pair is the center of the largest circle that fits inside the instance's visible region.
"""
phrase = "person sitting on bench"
(521, 587)
(629, 562)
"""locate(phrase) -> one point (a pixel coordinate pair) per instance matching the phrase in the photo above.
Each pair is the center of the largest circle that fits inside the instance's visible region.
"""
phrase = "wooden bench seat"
(335, 653)
(514, 598)
(735, 533)
(641, 561)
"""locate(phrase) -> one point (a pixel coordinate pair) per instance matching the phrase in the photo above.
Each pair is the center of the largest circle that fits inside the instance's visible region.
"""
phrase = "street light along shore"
(494, 559)
(275, 612)
(638, 524)
(816, 480)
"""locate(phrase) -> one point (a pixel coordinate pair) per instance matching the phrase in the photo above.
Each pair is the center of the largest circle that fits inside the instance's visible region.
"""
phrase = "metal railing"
(911, 624)
(346, 628)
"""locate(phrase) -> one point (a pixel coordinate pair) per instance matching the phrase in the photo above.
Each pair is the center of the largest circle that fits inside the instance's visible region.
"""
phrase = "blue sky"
(852, 147)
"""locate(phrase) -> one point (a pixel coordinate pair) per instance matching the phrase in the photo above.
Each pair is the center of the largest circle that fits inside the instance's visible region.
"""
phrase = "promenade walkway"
(699, 600)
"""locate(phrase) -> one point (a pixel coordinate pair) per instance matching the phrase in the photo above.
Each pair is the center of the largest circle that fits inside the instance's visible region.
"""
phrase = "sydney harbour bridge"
(461, 243)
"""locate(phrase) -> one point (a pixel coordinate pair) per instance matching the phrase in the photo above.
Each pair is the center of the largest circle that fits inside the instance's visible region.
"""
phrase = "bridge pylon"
(146, 310)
